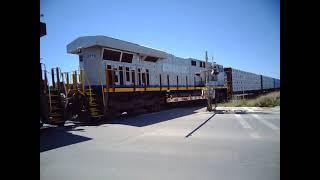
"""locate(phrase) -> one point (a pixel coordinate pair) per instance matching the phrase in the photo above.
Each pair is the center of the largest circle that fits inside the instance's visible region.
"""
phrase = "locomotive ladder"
(94, 107)
(56, 113)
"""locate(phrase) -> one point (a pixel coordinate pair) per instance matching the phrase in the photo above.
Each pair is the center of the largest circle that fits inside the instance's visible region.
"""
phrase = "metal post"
(67, 79)
(100, 74)
(206, 72)
(41, 80)
(46, 79)
(74, 79)
(52, 76)
(113, 73)
(134, 77)
(64, 85)
(49, 99)
(168, 79)
(177, 82)
(58, 78)
(107, 79)
(81, 79)
(107, 88)
(80, 76)
(160, 82)
(187, 82)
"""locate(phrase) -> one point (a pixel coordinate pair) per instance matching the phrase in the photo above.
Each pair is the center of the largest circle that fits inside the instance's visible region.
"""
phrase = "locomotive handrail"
(44, 71)
(50, 107)
(64, 85)
(44, 68)
(48, 86)
(81, 79)
(67, 80)
(101, 87)
(85, 77)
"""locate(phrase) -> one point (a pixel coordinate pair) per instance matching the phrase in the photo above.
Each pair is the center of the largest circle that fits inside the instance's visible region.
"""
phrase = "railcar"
(242, 83)
(126, 76)
(267, 84)
(276, 84)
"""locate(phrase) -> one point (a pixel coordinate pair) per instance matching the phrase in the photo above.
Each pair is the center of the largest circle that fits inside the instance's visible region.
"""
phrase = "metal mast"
(206, 72)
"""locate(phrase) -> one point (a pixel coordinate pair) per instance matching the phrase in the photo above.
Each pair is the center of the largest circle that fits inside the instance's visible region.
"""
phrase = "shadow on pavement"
(153, 118)
(239, 112)
(190, 134)
(58, 137)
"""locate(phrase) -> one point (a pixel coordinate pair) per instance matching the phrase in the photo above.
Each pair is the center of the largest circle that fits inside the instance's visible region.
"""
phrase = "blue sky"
(243, 34)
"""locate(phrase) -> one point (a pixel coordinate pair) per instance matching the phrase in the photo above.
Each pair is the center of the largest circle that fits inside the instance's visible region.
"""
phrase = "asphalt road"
(181, 143)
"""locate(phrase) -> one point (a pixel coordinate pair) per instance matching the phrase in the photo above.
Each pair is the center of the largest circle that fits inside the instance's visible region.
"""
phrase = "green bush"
(268, 100)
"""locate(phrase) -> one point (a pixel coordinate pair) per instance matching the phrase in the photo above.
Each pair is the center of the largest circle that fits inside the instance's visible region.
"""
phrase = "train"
(117, 76)
(242, 82)
(131, 76)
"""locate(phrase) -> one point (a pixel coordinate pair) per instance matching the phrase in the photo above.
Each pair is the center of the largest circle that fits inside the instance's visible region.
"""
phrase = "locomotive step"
(88, 94)
(56, 109)
(57, 122)
(94, 105)
(52, 95)
(97, 116)
(56, 119)
(54, 102)
(55, 115)
(55, 91)
(92, 115)
(94, 111)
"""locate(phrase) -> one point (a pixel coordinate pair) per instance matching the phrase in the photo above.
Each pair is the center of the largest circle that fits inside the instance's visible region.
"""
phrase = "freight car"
(267, 83)
(124, 76)
(277, 84)
(244, 83)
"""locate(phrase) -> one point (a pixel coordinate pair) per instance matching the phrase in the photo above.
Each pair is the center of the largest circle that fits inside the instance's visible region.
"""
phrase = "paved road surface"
(182, 143)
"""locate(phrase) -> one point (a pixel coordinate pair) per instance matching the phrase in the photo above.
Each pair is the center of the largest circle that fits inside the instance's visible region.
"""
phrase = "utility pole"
(206, 72)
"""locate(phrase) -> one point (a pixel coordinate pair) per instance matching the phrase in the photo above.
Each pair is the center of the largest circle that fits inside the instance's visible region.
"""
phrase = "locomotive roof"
(104, 41)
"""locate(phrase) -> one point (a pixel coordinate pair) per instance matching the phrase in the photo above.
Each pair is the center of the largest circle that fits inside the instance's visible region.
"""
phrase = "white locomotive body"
(134, 65)
(134, 76)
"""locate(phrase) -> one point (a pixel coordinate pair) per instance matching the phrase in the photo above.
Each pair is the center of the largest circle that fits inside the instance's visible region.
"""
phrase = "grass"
(268, 100)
